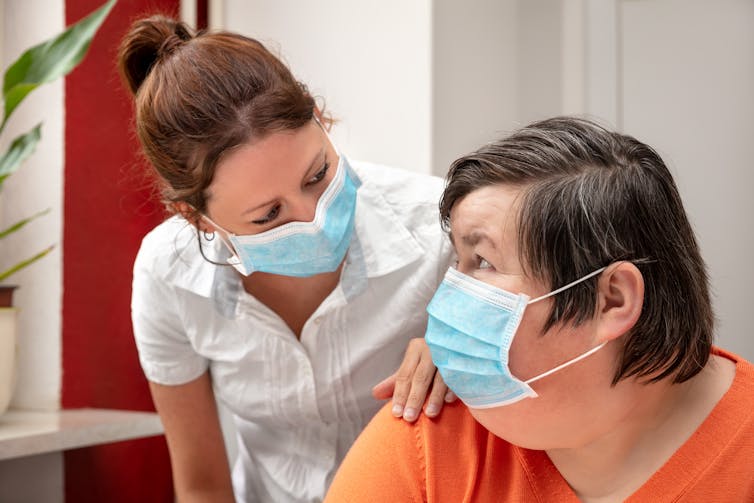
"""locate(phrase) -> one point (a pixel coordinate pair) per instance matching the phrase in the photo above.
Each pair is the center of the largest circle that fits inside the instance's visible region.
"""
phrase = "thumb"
(384, 389)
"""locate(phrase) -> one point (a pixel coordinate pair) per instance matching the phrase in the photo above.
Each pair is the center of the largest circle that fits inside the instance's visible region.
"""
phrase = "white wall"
(371, 62)
(36, 186)
(474, 69)
(688, 89)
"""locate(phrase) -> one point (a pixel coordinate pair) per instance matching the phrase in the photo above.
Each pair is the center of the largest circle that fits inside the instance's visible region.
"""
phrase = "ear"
(620, 300)
(190, 214)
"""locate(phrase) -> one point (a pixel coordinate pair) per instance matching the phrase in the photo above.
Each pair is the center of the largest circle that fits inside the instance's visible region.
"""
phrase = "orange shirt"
(453, 459)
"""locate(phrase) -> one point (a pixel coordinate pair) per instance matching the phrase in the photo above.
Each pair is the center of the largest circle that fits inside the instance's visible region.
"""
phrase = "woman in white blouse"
(288, 284)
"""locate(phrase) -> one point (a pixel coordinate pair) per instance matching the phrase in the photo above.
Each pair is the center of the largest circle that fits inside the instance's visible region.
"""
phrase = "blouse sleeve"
(165, 352)
(384, 464)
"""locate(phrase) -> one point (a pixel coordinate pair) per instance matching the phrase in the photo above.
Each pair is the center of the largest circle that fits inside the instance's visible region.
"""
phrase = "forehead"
(266, 167)
(276, 153)
(486, 213)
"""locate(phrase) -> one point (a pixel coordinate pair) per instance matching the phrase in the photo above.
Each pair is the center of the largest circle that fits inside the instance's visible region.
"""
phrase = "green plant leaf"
(24, 263)
(18, 225)
(21, 148)
(50, 60)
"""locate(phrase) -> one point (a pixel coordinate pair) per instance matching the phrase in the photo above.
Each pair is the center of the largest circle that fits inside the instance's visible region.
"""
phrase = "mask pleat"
(458, 361)
(441, 335)
(469, 316)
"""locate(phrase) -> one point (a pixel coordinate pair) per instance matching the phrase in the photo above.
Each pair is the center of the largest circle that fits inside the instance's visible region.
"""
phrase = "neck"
(293, 299)
(658, 420)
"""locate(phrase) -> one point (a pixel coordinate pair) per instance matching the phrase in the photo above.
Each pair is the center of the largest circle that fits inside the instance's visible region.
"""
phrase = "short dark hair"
(592, 197)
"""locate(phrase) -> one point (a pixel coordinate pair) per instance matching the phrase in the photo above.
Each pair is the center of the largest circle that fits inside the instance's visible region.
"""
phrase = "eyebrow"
(473, 238)
(312, 165)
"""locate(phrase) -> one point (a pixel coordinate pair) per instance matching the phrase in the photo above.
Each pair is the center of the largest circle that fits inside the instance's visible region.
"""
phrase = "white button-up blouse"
(298, 404)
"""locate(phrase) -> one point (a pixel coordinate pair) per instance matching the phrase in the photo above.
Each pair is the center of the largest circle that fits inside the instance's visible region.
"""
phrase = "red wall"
(107, 210)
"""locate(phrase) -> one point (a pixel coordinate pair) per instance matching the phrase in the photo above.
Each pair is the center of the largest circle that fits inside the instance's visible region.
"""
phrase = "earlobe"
(621, 299)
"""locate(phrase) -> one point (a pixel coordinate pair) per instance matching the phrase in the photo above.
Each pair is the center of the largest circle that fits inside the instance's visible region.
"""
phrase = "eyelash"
(269, 217)
(276, 209)
(320, 175)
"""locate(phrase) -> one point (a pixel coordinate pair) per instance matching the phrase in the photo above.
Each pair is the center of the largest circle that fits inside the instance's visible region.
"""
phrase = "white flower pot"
(8, 316)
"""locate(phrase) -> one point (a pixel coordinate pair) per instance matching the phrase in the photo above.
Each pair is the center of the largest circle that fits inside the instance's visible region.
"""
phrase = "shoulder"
(402, 455)
(732, 417)
(399, 197)
(167, 241)
(740, 395)
(454, 421)
(743, 380)
(399, 186)
(170, 254)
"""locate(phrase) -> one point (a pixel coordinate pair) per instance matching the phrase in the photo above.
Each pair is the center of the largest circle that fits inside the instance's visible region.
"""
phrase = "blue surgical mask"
(470, 331)
(303, 249)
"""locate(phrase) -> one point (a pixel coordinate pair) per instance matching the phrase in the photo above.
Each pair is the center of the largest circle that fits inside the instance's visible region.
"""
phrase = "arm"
(178, 375)
(197, 451)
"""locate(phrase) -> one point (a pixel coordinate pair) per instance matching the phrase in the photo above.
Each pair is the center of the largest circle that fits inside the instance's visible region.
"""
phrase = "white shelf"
(24, 433)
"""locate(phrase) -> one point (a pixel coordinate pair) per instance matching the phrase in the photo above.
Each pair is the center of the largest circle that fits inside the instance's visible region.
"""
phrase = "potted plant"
(39, 65)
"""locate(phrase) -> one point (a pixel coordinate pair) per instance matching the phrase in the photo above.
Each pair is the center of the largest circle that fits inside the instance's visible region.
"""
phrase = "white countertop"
(24, 433)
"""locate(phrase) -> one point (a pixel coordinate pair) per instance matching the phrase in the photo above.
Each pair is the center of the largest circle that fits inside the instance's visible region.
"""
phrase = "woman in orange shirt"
(577, 330)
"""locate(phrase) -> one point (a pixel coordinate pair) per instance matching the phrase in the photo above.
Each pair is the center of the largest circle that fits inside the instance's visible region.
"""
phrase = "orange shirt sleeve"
(384, 464)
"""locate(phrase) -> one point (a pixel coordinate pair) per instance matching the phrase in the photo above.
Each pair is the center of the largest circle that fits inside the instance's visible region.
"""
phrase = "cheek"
(529, 349)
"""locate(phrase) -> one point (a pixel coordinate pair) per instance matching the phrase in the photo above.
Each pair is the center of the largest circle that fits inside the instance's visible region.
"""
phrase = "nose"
(302, 208)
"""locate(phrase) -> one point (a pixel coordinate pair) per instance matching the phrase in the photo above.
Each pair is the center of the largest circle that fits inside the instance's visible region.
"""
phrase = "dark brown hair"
(591, 197)
(200, 94)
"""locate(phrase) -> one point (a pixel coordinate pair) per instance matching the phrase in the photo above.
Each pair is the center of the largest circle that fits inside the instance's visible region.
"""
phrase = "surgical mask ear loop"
(569, 285)
(224, 239)
(580, 357)
(564, 365)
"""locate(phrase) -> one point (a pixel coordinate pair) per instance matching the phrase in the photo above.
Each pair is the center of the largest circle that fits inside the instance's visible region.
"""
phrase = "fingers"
(436, 396)
(450, 397)
(409, 385)
(403, 378)
(384, 389)
(413, 380)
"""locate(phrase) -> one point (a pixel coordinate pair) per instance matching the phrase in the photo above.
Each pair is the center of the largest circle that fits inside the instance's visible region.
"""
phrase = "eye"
(269, 217)
(483, 264)
(320, 175)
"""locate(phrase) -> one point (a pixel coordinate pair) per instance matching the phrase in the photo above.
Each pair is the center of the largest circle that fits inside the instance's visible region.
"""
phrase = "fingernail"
(397, 410)
(432, 410)
(409, 414)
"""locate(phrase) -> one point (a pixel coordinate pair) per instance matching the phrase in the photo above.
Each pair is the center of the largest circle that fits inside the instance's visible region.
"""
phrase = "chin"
(517, 425)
